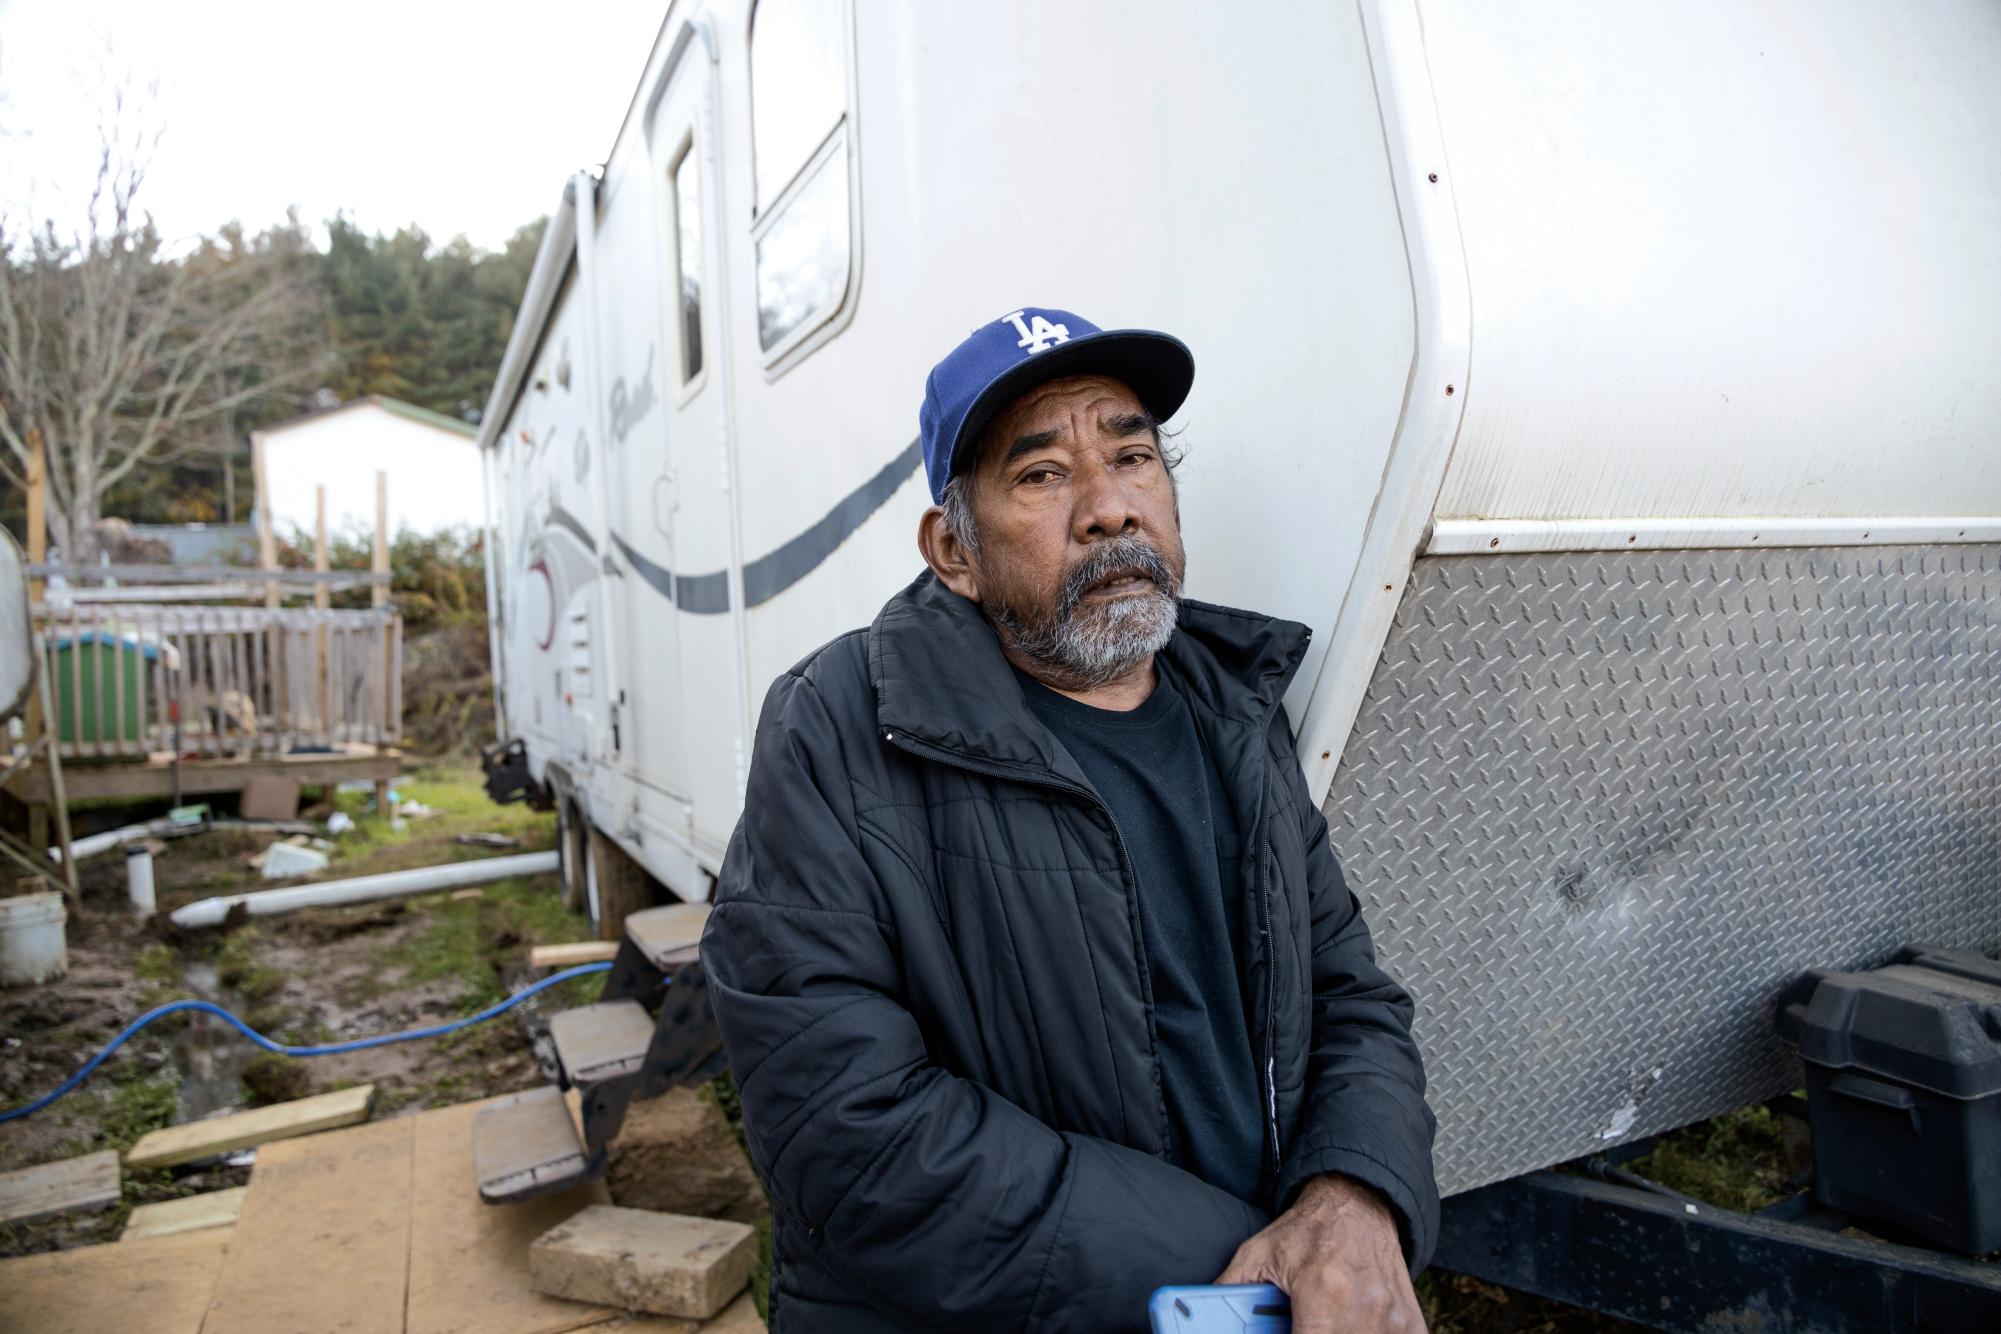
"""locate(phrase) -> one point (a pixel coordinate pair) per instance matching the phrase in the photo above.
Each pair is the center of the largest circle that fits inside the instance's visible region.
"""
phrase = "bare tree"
(123, 356)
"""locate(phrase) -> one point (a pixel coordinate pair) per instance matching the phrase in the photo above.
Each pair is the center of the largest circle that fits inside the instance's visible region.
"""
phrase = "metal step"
(669, 935)
(601, 1042)
(526, 1145)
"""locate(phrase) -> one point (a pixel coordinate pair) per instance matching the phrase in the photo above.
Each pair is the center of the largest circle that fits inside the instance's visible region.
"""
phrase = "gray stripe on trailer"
(769, 575)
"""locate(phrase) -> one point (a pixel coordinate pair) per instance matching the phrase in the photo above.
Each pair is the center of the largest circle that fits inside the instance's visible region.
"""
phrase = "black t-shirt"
(1151, 769)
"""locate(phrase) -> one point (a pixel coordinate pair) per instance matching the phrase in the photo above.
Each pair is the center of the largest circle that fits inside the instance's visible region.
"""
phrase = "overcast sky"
(458, 117)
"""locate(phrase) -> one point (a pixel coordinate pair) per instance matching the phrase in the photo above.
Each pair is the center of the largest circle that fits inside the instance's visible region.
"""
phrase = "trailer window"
(800, 133)
(688, 261)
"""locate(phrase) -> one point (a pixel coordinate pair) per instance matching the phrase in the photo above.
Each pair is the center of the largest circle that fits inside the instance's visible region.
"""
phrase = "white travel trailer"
(1612, 388)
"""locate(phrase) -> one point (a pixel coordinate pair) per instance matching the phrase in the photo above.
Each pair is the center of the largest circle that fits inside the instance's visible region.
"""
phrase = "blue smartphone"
(1239, 1308)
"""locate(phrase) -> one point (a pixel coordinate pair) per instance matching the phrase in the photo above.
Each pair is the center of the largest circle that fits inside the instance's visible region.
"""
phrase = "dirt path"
(311, 977)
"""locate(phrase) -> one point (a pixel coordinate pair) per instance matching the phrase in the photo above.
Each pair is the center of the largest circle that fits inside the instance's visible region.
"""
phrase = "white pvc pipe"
(112, 838)
(364, 889)
(139, 879)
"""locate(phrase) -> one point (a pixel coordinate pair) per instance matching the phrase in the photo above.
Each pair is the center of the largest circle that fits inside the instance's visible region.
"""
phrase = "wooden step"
(525, 1145)
(668, 936)
(69, 1185)
(599, 1042)
(218, 1135)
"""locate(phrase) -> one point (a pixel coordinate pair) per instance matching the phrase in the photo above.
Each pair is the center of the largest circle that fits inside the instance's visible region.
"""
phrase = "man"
(1039, 979)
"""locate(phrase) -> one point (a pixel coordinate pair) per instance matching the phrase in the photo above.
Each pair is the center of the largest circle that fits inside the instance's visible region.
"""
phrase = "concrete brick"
(667, 1264)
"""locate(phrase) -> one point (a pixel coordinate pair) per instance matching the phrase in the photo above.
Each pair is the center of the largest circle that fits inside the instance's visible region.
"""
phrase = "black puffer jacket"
(925, 957)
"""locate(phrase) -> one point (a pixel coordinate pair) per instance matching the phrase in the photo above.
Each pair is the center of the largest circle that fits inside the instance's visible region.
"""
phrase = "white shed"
(431, 459)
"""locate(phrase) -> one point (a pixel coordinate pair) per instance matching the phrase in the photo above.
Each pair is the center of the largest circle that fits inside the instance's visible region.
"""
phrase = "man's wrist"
(1337, 1192)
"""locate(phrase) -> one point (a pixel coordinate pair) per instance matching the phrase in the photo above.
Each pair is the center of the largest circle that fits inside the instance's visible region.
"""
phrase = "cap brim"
(1157, 367)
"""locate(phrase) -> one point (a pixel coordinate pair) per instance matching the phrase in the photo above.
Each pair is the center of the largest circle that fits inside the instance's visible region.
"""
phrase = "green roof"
(441, 420)
(425, 415)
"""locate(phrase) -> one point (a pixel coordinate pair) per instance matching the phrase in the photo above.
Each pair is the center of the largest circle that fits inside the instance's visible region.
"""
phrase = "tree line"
(143, 369)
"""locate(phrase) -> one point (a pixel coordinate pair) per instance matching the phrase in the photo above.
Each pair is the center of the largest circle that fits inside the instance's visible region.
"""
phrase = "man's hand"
(1335, 1253)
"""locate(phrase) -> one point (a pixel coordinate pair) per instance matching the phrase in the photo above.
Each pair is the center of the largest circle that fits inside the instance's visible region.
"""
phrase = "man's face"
(1079, 560)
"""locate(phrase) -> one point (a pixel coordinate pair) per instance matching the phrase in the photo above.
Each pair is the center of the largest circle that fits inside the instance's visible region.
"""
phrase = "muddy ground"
(310, 977)
(333, 974)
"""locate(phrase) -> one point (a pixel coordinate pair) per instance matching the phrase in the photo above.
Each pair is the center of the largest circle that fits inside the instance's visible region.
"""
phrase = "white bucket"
(33, 947)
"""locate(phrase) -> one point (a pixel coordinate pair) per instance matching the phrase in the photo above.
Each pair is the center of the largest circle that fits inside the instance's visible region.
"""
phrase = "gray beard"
(1086, 646)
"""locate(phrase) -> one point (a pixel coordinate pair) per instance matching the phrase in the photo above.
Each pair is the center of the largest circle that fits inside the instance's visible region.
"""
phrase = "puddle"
(211, 1054)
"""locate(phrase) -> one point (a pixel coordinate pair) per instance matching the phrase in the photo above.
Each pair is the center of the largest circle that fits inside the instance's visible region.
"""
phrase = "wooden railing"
(128, 680)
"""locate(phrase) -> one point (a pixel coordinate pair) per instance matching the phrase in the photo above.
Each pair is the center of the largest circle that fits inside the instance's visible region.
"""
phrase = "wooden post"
(379, 597)
(322, 599)
(38, 508)
(379, 566)
(32, 721)
(267, 541)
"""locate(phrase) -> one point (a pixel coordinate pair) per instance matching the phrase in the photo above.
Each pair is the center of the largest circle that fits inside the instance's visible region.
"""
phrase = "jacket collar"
(940, 677)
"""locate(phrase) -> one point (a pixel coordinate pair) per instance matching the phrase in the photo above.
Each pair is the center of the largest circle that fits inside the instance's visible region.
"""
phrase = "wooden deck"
(153, 776)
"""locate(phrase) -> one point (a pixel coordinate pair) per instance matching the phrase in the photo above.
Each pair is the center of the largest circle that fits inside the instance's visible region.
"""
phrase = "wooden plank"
(469, 1260)
(161, 1285)
(68, 1185)
(154, 777)
(215, 1208)
(323, 1240)
(569, 956)
(243, 1130)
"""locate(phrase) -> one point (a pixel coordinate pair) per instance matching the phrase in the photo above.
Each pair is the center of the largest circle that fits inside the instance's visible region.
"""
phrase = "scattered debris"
(225, 1134)
(281, 860)
(461, 895)
(69, 1185)
(186, 816)
(569, 956)
(666, 1264)
(416, 810)
(192, 1213)
(340, 822)
(480, 840)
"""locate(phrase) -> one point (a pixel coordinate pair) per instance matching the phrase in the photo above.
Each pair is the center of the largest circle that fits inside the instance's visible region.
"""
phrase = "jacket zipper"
(1271, 987)
(927, 750)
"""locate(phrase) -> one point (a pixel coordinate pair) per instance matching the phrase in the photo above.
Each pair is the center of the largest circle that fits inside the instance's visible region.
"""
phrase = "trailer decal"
(771, 574)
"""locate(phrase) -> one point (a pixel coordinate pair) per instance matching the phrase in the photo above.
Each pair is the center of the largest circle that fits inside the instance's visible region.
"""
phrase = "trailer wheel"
(572, 856)
(615, 885)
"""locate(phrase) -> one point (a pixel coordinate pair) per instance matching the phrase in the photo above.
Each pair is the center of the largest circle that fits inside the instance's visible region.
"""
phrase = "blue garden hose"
(284, 1049)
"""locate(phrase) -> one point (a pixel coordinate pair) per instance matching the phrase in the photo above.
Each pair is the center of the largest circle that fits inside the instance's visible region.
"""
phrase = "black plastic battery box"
(1903, 1078)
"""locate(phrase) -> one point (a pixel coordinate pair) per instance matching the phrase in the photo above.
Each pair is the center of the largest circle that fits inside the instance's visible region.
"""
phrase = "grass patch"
(1736, 1161)
(459, 805)
(157, 963)
(240, 967)
(137, 1105)
(473, 940)
(272, 1078)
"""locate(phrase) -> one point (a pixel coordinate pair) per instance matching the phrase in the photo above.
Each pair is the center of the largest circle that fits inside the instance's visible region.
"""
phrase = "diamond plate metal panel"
(1600, 807)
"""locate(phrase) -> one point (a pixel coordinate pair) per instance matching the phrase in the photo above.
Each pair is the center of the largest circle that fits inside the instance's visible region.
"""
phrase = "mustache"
(1118, 558)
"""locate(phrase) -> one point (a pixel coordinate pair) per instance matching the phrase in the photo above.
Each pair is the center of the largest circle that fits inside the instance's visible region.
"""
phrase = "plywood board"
(160, 1285)
(243, 1130)
(269, 797)
(323, 1241)
(66, 1186)
(569, 956)
(469, 1260)
(215, 1208)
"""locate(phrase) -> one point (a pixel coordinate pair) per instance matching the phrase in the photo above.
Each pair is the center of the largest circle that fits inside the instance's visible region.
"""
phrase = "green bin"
(99, 673)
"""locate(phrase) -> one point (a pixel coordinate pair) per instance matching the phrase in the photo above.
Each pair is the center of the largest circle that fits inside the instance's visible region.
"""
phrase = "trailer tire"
(571, 852)
(617, 885)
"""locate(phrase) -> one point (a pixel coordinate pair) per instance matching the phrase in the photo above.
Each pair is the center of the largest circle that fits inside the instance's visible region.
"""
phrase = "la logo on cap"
(1038, 334)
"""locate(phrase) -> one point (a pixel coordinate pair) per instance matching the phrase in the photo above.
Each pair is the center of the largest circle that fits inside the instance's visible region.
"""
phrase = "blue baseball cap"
(1002, 360)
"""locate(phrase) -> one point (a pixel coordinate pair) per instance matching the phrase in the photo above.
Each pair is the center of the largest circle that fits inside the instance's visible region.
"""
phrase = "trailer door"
(697, 502)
